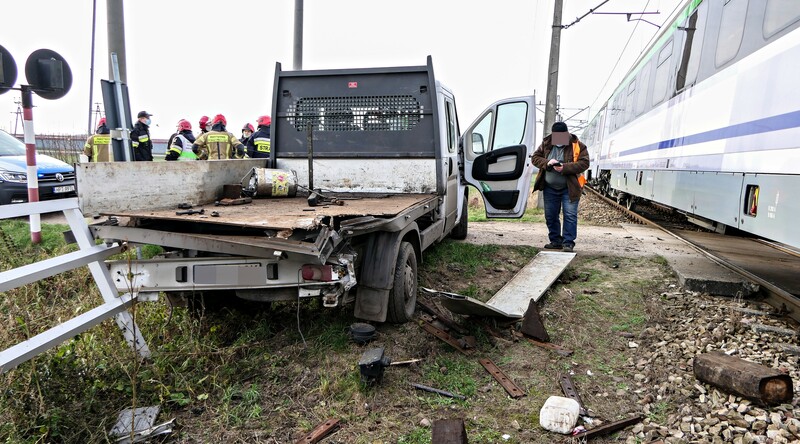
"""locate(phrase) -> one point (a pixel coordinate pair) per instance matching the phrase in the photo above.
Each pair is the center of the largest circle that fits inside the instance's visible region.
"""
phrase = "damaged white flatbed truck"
(381, 149)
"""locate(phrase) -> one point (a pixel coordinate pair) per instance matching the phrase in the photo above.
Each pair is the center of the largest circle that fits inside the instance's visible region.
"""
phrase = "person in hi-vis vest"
(98, 145)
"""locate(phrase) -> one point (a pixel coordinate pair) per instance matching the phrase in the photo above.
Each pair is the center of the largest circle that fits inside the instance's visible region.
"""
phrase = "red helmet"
(184, 125)
(219, 118)
(102, 122)
(264, 121)
(248, 127)
(203, 121)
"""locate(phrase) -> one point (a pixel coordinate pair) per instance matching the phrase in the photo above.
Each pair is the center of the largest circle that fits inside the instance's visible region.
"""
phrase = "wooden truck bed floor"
(288, 213)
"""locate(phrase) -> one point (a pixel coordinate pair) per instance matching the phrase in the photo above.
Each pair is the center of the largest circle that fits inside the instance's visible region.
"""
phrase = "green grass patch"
(468, 257)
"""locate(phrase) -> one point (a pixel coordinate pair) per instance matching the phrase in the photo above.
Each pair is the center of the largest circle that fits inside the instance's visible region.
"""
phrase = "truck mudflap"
(377, 272)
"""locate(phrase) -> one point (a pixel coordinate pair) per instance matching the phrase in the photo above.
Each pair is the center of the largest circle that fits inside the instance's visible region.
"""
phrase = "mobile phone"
(557, 164)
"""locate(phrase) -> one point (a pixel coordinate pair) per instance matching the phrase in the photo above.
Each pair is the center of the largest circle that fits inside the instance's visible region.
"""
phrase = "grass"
(477, 211)
(235, 373)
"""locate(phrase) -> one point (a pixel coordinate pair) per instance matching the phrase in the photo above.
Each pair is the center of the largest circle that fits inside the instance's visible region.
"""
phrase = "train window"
(629, 103)
(644, 81)
(662, 73)
(731, 30)
(780, 14)
(751, 200)
(694, 28)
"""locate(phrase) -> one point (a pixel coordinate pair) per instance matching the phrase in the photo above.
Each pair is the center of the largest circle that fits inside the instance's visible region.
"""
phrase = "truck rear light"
(317, 273)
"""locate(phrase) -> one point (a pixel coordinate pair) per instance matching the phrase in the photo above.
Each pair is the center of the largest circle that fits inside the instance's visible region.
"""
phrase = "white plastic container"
(559, 414)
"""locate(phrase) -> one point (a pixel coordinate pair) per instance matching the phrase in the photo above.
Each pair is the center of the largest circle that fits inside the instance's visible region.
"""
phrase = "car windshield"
(10, 146)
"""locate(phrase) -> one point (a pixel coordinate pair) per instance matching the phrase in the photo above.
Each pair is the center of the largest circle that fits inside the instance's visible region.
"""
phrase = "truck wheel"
(460, 231)
(403, 295)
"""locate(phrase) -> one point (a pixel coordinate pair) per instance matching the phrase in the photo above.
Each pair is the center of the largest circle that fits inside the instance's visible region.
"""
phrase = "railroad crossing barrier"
(88, 254)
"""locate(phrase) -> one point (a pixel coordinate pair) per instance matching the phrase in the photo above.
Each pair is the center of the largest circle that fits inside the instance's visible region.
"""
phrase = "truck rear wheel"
(460, 231)
(403, 296)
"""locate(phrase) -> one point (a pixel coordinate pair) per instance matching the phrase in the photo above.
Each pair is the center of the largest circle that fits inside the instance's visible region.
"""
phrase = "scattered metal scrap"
(441, 317)
(372, 364)
(320, 432)
(237, 201)
(513, 390)
(440, 392)
(449, 431)
(137, 425)
(188, 212)
(568, 387)
(744, 378)
(532, 323)
(427, 325)
(606, 429)
(550, 346)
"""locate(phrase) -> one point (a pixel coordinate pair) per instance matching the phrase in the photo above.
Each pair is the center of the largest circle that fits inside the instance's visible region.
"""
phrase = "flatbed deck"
(288, 213)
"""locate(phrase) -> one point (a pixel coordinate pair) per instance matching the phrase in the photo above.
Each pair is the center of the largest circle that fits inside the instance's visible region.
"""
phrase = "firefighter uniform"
(98, 146)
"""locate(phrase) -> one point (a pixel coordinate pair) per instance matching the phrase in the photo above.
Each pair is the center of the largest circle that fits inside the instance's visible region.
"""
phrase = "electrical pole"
(552, 71)
(298, 35)
(116, 38)
(91, 66)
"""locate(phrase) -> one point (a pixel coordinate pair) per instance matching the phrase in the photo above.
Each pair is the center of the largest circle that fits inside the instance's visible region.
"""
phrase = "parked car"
(56, 178)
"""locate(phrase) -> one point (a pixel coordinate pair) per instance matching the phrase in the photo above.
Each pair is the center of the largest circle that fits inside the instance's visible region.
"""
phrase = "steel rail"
(786, 303)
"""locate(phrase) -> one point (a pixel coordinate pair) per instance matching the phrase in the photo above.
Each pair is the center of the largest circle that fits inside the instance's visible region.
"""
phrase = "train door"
(496, 155)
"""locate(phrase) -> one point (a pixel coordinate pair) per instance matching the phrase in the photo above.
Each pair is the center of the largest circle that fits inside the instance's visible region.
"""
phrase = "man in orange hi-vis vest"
(561, 159)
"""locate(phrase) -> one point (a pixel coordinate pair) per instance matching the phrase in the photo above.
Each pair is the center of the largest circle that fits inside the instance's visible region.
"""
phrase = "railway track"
(782, 299)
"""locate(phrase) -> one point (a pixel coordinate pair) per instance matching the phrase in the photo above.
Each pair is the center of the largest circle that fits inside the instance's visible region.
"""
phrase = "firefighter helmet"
(102, 122)
(203, 121)
(248, 127)
(264, 121)
(184, 125)
(219, 118)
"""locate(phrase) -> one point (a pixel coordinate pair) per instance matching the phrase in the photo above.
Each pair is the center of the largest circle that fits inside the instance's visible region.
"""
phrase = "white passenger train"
(708, 119)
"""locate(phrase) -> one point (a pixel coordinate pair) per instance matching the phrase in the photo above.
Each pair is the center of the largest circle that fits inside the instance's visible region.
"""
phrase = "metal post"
(123, 130)
(552, 76)
(552, 80)
(116, 36)
(298, 35)
(91, 66)
(30, 157)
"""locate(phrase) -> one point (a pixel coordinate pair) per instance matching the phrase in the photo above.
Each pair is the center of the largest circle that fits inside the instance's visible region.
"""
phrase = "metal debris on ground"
(548, 345)
(137, 425)
(237, 201)
(607, 428)
(744, 378)
(513, 390)
(532, 323)
(372, 364)
(568, 387)
(427, 325)
(437, 391)
(320, 432)
(188, 212)
(449, 431)
(441, 317)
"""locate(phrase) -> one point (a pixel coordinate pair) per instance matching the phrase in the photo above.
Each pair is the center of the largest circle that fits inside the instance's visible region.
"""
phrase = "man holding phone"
(561, 159)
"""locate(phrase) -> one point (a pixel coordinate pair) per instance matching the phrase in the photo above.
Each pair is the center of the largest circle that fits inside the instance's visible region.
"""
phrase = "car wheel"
(403, 295)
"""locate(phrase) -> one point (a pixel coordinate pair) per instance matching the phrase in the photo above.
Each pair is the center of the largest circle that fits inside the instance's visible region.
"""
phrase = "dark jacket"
(175, 147)
(259, 144)
(571, 168)
(141, 143)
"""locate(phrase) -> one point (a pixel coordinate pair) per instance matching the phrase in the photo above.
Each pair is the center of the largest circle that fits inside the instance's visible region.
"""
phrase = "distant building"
(68, 147)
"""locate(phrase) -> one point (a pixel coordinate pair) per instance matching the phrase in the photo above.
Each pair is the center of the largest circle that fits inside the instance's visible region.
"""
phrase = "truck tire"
(460, 231)
(403, 295)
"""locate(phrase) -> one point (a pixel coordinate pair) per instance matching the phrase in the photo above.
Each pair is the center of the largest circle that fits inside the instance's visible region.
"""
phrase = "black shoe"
(552, 246)
(567, 249)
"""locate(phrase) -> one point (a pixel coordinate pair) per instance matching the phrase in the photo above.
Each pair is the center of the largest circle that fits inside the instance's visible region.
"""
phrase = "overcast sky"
(483, 51)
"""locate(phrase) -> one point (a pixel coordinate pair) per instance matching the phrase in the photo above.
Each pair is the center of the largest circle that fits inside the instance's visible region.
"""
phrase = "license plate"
(64, 189)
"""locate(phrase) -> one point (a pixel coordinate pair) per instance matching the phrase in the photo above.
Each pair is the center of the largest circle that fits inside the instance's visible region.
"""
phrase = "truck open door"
(496, 155)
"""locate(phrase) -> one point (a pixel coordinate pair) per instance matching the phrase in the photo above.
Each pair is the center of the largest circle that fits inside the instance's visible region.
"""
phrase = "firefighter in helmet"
(259, 145)
(204, 125)
(180, 148)
(218, 143)
(247, 131)
(98, 145)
